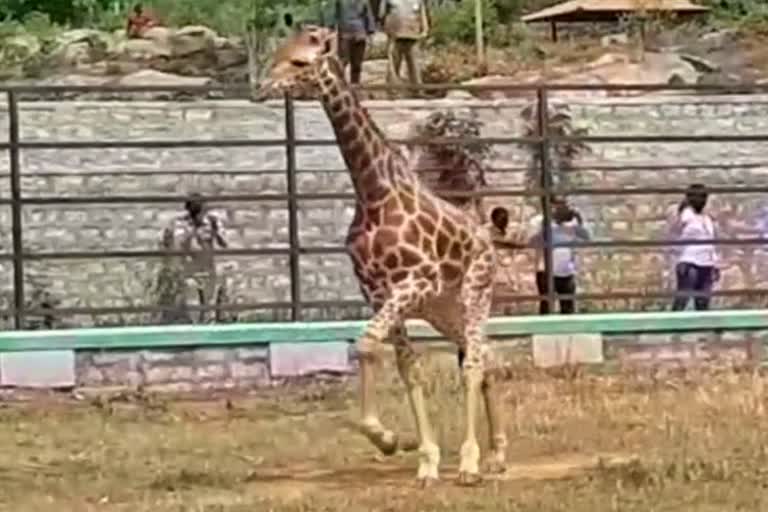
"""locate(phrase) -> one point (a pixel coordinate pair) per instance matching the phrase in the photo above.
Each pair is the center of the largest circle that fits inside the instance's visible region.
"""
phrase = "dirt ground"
(638, 441)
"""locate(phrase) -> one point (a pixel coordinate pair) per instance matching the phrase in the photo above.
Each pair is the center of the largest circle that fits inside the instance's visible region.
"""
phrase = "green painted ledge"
(298, 332)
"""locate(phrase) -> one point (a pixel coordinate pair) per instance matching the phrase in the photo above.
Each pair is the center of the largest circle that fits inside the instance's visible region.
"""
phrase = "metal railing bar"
(630, 167)
(320, 304)
(16, 207)
(441, 141)
(340, 249)
(321, 196)
(531, 86)
(151, 144)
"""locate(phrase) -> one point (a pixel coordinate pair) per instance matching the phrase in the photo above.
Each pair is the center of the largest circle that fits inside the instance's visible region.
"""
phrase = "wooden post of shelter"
(479, 36)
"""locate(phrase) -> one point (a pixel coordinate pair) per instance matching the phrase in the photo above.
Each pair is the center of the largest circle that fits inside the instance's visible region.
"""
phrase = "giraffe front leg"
(476, 302)
(378, 329)
(411, 370)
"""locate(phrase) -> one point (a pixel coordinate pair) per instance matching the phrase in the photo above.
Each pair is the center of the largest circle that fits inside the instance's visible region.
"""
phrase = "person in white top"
(567, 226)
(697, 265)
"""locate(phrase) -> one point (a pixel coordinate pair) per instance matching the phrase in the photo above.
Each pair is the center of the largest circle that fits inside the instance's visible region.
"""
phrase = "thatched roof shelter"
(610, 10)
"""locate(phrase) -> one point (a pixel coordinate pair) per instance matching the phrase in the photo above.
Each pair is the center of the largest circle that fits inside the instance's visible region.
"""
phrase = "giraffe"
(415, 256)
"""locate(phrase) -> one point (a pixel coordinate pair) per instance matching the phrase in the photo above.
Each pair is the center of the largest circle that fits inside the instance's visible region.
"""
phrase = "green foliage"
(454, 22)
(745, 13)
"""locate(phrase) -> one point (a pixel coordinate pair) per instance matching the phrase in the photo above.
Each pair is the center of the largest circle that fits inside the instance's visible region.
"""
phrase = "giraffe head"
(296, 63)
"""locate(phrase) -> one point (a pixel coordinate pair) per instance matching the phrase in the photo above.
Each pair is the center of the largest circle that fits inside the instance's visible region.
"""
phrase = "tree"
(259, 32)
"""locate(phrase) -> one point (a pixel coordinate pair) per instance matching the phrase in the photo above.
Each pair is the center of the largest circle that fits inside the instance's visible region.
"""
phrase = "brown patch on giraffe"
(393, 217)
(387, 237)
(427, 224)
(391, 261)
(442, 244)
(411, 234)
(450, 271)
(409, 257)
(448, 226)
(365, 161)
(374, 190)
(427, 245)
(408, 203)
(336, 107)
(399, 276)
(455, 252)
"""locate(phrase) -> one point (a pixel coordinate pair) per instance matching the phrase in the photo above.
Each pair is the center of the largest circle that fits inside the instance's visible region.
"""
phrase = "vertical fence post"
(545, 177)
(293, 215)
(15, 170)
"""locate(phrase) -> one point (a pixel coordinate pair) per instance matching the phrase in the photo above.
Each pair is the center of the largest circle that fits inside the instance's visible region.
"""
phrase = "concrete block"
(559, 349)
(296, 359)
(39, 369)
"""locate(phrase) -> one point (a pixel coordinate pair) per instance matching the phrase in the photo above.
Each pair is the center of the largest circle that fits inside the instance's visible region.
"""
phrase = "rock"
(193, 39)
(142, 49)
(719, 39)
(614, 40)
(75, 47)
(19, 47)
(152, 77)
(701, 64)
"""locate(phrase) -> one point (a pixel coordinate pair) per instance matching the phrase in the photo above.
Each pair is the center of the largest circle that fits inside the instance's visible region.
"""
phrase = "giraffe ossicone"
(415, 256)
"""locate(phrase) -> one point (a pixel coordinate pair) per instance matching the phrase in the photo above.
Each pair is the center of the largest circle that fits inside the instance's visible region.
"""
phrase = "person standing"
(197, 232)
(406, 23)
(567, 226)
(355, 22)
(696, 269)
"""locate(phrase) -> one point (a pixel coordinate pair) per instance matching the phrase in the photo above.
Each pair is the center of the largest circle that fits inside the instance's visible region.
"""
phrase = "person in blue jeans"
(356, 24)
(696, 269)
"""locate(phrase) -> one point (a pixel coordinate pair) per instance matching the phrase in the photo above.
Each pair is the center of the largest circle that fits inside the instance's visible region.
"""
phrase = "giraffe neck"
(375, 167)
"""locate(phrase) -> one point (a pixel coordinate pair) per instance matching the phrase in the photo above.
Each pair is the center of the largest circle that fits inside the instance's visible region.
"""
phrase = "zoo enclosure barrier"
(543, 140)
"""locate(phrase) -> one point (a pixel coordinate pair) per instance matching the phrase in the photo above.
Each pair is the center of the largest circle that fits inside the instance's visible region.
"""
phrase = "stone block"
(558, 349)
(211, 372)
(123, 358)
(168, 373)
(255, 353)
(212, 355)
(248, 371)
(161, 356)
(297, 359)
(43, 369)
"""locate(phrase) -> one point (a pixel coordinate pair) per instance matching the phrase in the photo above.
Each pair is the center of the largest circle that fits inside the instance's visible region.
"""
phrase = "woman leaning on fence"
(696, 269)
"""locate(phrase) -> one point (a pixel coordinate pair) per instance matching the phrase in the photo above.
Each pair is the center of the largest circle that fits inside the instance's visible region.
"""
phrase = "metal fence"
(546, 190)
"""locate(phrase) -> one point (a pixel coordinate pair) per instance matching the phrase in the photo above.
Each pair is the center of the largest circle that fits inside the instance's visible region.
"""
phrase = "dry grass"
(685, 443)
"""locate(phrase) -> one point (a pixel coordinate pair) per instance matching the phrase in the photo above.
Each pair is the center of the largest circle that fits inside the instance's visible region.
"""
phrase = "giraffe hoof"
(468, 479)
(387, 443)
(426, 482)
(408, 445)
(494, 467)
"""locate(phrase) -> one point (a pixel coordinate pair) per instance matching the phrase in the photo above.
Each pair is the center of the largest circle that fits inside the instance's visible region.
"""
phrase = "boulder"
(19, 47)
(76, 47)
(152, 77)
(614, 40)
(192, 39)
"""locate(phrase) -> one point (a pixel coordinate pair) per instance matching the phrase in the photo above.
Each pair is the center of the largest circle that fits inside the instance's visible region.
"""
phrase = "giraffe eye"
(299, 63)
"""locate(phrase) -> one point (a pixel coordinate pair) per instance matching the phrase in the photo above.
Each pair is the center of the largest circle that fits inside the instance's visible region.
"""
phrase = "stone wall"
(262, 365)
(104, 172)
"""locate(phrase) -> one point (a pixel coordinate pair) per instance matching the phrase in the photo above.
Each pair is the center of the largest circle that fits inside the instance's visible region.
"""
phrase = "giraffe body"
(415, 256)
